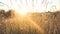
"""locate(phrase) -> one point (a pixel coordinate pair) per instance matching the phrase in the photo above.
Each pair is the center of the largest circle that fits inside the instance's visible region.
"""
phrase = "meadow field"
(31, 23)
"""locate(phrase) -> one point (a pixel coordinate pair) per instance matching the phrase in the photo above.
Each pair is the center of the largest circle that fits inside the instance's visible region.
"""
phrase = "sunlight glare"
(22, 11)
(24, 6)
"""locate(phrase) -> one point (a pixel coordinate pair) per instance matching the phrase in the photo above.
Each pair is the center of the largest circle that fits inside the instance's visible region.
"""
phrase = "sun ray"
(36, 25)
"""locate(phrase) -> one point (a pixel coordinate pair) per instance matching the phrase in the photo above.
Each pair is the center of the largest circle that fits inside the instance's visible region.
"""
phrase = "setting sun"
(22, 12)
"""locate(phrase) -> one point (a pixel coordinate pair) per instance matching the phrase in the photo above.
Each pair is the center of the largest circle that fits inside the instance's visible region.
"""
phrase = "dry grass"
(36, 23)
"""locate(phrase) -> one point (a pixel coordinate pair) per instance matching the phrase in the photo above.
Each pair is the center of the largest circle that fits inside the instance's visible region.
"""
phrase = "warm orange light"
(22, 13)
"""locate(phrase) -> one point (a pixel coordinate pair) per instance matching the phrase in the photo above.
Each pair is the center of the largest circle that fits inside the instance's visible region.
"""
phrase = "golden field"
(31, 23)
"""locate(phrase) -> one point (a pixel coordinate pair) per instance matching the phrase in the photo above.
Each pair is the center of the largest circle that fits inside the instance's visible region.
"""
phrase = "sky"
(30, 5)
